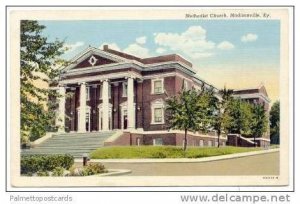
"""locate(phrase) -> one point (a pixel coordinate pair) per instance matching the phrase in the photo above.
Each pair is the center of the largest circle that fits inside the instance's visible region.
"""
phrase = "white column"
(130, 104)
(60, 122)
(105, 108)
(82, 108)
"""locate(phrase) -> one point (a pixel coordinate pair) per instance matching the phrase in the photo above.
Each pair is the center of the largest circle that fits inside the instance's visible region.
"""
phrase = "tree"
(188, 111)
(222, 119)
(259, 121)
(275, 123)
(240, 112)
(38, 59)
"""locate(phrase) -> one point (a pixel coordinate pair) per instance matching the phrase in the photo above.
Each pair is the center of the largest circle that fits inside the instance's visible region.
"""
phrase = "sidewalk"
(183, 160)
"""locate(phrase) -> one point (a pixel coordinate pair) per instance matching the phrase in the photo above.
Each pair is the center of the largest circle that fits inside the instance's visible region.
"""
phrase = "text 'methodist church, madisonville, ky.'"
(104, 89)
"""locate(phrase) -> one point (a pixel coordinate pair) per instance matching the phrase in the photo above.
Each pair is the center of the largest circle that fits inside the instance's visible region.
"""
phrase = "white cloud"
(113, 46)
(191, 42)
(141, 40)
(250, 37)
(137, 50)
(73, 46)
(160, 50)
(225, 45)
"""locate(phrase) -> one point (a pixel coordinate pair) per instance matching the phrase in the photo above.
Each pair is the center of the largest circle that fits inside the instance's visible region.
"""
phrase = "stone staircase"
(75, 144)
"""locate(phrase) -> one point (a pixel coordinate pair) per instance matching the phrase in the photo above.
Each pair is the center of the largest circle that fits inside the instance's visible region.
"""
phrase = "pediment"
(93, 60)
(93, 57)
(263, 90)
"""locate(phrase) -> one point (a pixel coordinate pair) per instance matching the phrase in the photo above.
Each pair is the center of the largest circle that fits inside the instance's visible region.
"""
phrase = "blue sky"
(218, 49)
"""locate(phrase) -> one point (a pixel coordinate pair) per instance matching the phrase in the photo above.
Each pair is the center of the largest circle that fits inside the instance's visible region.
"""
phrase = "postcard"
(141, 96)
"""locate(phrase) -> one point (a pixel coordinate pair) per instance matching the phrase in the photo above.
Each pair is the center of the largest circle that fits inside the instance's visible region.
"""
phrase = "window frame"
(153, 85)
(157, 104)
(124, 91)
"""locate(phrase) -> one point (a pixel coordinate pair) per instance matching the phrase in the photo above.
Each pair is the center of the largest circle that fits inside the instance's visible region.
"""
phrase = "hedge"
(37, 163)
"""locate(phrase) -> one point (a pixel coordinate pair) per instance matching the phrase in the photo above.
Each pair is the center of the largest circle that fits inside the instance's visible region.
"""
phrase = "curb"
(115, 172)
(183, 160)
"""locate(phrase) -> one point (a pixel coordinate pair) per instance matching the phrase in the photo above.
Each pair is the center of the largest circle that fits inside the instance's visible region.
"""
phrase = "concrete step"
(75, 144)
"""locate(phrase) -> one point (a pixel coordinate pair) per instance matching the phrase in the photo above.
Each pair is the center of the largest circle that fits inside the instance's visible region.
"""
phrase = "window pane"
(157, 115)
(158, 86)
(158, 141)
(124, 89)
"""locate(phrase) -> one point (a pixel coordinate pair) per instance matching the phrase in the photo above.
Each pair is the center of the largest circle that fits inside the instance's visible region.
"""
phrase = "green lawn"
(135, 152)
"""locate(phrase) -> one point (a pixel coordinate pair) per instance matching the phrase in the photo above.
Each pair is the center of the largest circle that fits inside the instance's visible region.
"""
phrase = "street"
(262, 164)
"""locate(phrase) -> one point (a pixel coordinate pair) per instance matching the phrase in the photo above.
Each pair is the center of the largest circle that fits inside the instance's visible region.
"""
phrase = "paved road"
(263, 164)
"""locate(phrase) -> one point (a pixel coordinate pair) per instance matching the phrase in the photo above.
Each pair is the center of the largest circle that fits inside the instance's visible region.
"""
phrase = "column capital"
(130, 76)
(106, 80)
(82, 83)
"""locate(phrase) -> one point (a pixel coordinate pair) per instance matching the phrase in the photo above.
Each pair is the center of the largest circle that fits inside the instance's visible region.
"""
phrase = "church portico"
(100, 102)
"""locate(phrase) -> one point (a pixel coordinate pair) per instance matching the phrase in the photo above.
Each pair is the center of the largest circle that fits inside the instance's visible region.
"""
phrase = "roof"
(149, 60)
(260, 89)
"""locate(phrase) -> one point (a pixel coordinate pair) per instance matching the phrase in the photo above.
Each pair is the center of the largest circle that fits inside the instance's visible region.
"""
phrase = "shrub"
(58, 171)
(42, 173)
(92, 169)
(34, 163)
(159, 155)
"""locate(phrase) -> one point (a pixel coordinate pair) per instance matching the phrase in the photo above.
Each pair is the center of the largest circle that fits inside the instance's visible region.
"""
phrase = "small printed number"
(270, 177)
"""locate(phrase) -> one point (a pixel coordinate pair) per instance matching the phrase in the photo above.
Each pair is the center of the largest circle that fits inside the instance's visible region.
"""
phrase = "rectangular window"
(201, 143)
(158, 86)
(158, 115)
(209, 143)
(157, 142)
(124, 94)
(87, 93)
(185, 84)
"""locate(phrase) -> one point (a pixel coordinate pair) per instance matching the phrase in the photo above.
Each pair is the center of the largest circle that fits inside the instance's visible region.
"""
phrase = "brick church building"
(107, 90)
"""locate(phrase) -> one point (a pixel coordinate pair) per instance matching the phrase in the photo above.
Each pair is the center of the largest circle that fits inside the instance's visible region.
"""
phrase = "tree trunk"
(185, 140)
(254, 140)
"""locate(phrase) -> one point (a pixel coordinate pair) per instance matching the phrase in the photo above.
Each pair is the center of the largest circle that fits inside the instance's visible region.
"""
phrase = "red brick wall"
(168, 139)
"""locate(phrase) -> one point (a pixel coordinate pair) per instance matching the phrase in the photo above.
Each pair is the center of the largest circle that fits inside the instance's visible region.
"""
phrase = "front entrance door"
(88, 122)
(125, 119)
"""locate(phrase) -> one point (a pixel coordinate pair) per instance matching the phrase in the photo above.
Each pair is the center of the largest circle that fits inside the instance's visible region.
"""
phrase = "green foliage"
(58, 171)
(164, 152)
(240, 116)
(275, 123)
(39, 57)
(90, 169)
(42, 173)
(190, 110)
(93, 168)
(259, 121)
(34, 163)
(221, 118)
